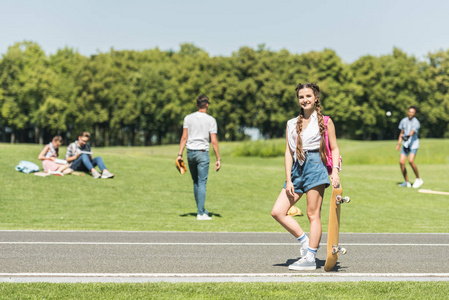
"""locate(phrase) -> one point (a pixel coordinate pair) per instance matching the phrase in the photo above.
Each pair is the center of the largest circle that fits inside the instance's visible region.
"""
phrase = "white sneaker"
(203, 217)
(405, 184)
(56, 173)
(107, 174)
(418, 183)
(96, 174)
(303, 265)
(303, 252)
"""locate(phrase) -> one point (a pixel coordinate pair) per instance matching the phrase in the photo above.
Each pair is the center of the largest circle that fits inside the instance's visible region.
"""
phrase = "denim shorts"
(407, 151)
(312, 173)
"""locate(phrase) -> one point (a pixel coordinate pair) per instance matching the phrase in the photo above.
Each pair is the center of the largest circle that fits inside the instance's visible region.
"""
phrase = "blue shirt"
(408, 126)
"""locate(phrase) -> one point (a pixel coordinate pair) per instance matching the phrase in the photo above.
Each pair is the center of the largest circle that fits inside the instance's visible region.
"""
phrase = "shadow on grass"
(194, 215)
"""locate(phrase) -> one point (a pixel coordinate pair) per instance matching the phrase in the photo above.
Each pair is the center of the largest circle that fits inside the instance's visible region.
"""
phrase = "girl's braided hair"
(316, 93)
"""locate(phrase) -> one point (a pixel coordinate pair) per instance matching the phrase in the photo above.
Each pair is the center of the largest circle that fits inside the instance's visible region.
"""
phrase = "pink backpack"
(329, 164)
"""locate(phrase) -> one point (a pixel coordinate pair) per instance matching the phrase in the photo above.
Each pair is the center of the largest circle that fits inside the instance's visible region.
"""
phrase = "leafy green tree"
(58, 111)
(105, 103)
(141, 97)
(389, 83)
(156, 97)
(53, 115)
(26, 81)
(434, 104)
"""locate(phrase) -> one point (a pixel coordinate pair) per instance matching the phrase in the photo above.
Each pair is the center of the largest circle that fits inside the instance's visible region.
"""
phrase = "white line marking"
(217, 232)
(432, 192)
(212, 244)
(156, 275)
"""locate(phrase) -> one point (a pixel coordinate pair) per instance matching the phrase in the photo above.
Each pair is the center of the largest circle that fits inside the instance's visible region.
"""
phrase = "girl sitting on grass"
(306, 172)
(48, 156)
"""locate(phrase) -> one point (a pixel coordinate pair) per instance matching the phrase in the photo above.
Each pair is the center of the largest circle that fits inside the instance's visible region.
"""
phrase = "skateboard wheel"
(339, 200)
(335, 249)
(343, 251)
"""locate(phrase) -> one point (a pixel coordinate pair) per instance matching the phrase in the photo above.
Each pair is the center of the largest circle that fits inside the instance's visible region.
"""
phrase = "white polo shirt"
(200, 126)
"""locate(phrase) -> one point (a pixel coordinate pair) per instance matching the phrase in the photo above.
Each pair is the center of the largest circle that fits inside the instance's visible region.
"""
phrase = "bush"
(261, 148)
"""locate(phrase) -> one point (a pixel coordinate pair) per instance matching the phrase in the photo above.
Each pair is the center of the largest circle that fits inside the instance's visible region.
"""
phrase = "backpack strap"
(325, 119)
(328, 149)
(326, 137)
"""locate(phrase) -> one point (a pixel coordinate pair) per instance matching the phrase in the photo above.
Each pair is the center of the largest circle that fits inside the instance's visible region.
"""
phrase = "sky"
(352, 28)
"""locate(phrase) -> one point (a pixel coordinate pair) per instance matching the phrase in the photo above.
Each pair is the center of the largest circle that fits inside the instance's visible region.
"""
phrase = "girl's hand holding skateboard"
(335, 179)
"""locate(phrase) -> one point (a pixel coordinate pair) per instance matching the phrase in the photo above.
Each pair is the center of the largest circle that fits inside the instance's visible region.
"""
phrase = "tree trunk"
(148, 138)
(106, 136)
(36, 134)
(125, 138)
(97, 136)
(159, 138)
(132, 135)
(41, 137)
(13, 137)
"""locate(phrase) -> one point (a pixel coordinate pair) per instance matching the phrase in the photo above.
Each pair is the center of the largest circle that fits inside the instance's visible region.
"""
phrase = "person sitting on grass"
(49, 155)
(79, 156)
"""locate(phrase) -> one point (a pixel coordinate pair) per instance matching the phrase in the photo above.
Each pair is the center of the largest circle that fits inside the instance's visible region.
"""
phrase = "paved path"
(74, 256)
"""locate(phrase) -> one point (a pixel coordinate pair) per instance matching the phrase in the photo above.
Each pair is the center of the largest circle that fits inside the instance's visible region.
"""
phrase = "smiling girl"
(306, 172)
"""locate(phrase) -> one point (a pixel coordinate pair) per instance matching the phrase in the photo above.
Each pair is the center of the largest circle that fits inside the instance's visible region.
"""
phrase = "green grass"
(353, 152)
(350, 290)
(149, 194)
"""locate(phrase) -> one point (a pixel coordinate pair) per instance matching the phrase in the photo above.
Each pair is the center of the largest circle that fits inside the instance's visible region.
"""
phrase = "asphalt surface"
(74, 256)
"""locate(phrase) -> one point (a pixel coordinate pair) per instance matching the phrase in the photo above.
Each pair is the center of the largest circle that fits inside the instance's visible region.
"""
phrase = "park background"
(128, 71)
(139, 98)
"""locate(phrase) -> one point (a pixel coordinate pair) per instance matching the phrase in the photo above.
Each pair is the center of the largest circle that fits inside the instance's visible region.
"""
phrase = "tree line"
(141, 97)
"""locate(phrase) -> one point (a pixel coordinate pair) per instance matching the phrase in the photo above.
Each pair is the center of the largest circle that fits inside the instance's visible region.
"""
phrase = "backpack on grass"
(27, 167)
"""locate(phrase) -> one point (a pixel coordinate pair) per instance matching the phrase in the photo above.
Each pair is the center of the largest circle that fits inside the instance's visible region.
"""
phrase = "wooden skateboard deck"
(333, 248)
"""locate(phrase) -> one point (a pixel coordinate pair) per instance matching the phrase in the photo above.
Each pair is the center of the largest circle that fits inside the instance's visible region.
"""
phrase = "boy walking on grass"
(198, 127)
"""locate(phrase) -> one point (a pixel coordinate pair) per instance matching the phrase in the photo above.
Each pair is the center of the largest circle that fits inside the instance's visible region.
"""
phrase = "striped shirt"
(52, 152)
(74, 148)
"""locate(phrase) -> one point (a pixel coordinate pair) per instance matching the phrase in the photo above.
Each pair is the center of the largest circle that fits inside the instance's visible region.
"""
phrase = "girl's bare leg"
(65, 169)
(279, 213)
(314, 202)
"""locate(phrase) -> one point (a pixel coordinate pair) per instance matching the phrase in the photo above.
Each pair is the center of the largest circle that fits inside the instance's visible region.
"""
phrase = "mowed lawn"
(226, 290)
(149, 194)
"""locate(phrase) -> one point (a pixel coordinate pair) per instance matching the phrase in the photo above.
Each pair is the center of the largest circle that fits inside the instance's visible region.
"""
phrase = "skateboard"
(333, 248)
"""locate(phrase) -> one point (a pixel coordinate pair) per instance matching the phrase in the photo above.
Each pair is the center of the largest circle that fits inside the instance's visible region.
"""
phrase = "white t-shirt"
(311, 137)
(200, 126)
